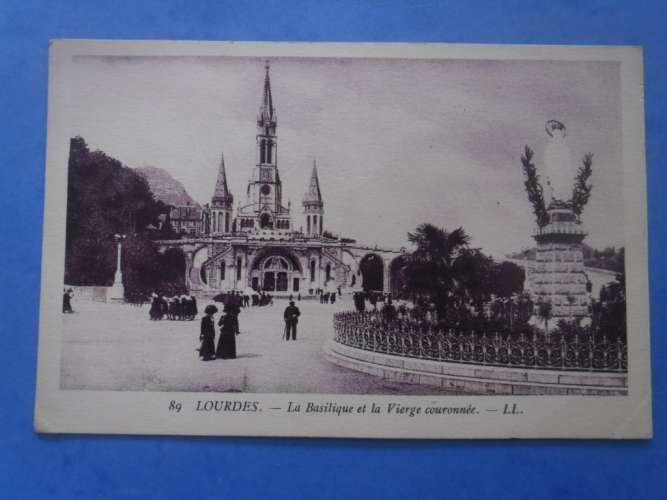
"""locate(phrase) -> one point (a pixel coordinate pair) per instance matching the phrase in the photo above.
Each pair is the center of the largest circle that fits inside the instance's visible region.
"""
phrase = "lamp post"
(117, 290)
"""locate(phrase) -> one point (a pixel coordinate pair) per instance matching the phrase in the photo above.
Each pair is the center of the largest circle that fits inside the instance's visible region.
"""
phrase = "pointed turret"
(221, 204)
(221, 195)
(313, 206)
(313, 194)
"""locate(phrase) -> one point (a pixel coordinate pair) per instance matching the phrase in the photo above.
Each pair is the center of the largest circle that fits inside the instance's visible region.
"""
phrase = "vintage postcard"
(345, 240)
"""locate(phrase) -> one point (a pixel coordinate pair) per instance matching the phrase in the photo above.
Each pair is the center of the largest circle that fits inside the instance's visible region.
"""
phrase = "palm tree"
(430, 269)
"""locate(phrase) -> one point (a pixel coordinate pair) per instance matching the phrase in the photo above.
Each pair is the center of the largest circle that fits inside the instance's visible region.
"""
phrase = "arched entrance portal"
(372, 273)
(276, 271)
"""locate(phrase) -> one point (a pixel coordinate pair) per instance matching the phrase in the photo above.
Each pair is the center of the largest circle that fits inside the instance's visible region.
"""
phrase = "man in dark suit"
(67, 301)
(291, 316)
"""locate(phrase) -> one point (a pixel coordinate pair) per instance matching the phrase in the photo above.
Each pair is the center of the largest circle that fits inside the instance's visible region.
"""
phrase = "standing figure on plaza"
(558, 278)
(233, 309)
(67, 301)
(155, 312)
(164, 306)
(193, 307)
(173, 308)
(207, 334)
(291, 316)
(227, 340)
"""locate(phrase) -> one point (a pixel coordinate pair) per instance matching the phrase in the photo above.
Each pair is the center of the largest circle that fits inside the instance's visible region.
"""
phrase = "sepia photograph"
(252, 222)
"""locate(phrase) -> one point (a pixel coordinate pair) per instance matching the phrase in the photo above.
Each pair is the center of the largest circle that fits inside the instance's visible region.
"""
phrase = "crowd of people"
(183, 307)
(243, 299)
(360, 299)
(328, 296)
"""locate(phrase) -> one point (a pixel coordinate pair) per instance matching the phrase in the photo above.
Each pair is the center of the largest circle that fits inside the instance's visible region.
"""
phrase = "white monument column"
(386, 278)
(117, 291)
(244, 272)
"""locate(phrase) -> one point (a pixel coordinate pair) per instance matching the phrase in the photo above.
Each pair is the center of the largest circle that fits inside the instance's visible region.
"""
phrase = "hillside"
(164, 186)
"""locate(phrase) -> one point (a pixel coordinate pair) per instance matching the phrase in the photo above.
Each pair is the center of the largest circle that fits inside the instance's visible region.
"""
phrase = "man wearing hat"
(291, 316)
(67, 301)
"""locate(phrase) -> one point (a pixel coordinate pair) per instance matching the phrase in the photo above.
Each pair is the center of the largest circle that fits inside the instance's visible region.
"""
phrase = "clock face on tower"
(266, 189)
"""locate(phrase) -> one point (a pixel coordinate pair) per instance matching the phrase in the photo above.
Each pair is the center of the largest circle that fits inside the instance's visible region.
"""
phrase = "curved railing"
(399, 337)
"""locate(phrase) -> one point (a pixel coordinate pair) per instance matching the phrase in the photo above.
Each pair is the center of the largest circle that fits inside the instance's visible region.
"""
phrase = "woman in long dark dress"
(207, 334)
(193, 307)
(156, 308)
(227, 340)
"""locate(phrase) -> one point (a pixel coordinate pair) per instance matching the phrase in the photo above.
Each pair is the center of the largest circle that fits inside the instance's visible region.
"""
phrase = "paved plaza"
(116, 347)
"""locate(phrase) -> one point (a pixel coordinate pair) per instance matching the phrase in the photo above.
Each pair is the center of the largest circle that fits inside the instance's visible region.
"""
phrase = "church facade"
(258, 246)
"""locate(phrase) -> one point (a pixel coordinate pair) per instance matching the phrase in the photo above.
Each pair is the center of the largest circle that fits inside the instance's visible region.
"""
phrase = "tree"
(473, 272)
(141, 266)
(534, 188)
(611, 309)
(105, 198)
(430, 269)
(507, 279)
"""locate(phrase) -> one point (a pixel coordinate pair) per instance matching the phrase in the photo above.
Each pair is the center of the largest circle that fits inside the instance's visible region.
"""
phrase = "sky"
(398, 142)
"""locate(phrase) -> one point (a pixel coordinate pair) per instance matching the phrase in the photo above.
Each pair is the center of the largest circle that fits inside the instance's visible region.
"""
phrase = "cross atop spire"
(313, 194)
(221, 195)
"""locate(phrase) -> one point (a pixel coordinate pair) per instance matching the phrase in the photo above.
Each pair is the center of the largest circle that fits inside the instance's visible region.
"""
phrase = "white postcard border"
(120, 412)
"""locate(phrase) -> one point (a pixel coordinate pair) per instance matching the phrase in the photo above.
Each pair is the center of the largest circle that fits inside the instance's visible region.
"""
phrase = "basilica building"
(257, 244)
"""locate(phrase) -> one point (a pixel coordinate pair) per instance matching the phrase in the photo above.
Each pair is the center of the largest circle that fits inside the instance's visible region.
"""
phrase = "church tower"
(264, 208)
(221, 206)
(313, 206)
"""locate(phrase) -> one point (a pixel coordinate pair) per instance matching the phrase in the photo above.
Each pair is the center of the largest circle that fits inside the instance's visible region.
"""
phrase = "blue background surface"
(86, 467)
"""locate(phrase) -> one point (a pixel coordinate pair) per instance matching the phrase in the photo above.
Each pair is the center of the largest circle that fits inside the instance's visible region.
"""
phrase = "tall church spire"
(267, 142)
(221, 195)
(267, 114)
(264, 209)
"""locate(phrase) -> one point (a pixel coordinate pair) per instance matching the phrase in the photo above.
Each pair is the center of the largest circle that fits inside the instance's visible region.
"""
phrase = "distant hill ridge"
(607, 259)
(165, 188)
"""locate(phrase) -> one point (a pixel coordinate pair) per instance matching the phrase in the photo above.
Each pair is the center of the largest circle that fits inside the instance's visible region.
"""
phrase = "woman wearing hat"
(227, 341)
(207, 334)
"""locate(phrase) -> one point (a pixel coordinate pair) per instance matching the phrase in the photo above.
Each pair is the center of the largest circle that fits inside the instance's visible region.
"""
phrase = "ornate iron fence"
(410, 339)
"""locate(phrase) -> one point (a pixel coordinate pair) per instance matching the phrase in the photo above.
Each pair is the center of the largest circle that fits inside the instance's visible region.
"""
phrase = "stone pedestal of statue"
(559, 277)
(116, 292)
